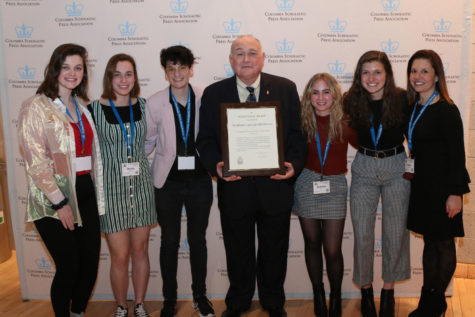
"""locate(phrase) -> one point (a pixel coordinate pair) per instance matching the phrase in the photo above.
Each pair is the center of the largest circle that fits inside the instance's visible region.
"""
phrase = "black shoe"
(169, 309)
(229, 312)
(367, 302)
(335, 305)
(277, 312)
(386, 308)
(431, 303)
(319, 301)
(203, 306)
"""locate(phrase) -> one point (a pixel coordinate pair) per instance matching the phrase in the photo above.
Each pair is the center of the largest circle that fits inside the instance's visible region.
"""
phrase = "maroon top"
(87, 150)
(336, 160)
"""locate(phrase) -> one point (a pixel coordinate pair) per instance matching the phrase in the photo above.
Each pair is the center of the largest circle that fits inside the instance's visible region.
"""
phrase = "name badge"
(130, 169)
(186, 162)
(83, 163)
(409, 165)
(321, 187)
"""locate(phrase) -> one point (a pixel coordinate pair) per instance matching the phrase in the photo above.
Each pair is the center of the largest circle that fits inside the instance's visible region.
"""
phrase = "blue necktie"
(251, 97)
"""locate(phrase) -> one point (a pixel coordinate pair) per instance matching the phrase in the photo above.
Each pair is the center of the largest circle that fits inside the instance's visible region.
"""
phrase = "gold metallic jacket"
(47, 142)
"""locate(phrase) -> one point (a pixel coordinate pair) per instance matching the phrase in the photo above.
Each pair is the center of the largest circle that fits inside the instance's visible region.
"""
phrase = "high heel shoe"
(319, 301)
(335, 305)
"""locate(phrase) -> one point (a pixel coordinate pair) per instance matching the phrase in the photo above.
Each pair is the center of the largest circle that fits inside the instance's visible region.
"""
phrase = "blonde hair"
(309, 122)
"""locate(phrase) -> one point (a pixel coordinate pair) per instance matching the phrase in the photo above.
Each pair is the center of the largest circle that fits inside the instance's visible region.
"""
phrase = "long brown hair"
(440, 85)
(356, 100)
(50, 86)
(309, 122)
(107, 90)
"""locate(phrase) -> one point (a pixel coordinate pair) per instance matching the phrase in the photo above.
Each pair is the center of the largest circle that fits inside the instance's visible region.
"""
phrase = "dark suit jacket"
(272, 88)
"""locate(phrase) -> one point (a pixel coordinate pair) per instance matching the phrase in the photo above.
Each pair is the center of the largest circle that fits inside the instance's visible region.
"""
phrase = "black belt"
(383, 153)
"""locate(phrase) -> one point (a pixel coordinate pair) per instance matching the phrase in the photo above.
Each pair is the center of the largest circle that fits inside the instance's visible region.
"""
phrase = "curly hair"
(440, 85)
(309, 122)
(357, 99)
(50, 85)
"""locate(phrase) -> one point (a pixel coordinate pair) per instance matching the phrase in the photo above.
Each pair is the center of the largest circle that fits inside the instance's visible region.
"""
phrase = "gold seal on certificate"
(252, 139)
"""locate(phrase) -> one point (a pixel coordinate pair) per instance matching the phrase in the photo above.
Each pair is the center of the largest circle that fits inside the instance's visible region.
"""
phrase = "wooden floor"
(462, 304)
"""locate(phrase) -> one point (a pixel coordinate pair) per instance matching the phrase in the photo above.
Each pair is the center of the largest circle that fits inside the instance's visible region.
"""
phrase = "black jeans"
(75, 253)
(197, 196)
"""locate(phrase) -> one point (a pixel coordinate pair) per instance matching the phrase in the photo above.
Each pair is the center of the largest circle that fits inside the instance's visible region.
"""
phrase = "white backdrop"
(300, 37)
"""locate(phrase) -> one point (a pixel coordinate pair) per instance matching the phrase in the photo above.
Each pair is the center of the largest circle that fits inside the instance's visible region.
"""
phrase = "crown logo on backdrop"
(285, 5)
(26, 72)
(179, 6)
(389, 46)
(390, 5)
(446, 67)
(228, 70)
(127, 29)
(442, 26)
(336, 67)
(23, 31)
(73, 9)
(43, 263)
(285, 46)
(184, 245)
(337, 26)
(232, 27)
(183, 44)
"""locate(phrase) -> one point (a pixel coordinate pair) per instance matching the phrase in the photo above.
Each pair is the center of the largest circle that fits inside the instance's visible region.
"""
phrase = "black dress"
(438, 149)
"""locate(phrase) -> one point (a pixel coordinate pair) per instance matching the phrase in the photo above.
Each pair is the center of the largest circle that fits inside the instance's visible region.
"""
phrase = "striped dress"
(129, 200)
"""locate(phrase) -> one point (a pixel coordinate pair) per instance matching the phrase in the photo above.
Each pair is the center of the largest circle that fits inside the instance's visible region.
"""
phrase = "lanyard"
(412, 122)
(128, 140)
(79, 124)
(184, 133)
(319, 150)
(373, 136)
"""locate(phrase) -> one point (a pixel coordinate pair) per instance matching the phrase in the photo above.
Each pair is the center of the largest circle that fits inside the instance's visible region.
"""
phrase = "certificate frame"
(278, 142)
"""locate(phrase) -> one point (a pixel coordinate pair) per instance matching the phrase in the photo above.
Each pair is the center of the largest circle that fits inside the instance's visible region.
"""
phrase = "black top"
(123, 112)
(391, 137)
(182, 175)
(439, 153)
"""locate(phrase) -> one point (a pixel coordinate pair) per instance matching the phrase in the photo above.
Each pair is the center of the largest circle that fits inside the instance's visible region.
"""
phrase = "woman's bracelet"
(61, 204)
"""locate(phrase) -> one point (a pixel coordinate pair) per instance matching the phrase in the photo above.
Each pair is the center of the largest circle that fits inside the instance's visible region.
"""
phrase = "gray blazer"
(161, 134)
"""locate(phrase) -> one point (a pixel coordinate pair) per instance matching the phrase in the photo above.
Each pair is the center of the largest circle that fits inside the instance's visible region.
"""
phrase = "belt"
(382, 153)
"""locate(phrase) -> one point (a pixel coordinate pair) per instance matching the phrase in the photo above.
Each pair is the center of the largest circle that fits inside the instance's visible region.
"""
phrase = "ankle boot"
(431, 304)
(367, 302)
(422, 306)
(319, 301)
(386, 308)
(335, 305)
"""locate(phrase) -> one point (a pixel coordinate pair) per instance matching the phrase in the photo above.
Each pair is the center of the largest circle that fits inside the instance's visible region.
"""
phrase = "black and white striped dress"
(129, 200)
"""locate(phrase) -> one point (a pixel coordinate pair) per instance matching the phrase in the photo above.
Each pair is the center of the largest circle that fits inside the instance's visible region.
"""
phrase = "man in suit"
(245, 202)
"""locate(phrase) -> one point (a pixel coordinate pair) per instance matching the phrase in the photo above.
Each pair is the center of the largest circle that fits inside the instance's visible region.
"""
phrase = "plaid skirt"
(320, 206)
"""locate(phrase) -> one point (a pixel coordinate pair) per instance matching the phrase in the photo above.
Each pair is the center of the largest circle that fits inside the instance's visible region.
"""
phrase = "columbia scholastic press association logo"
(337, 25)
(74, 9)
(232, 26)
(285, 5)
(389, 46)
(179, 6)
(127, 29)
(336, 68)
(23, 31)
(284, 46)
(26, 72)
(228, 70)
(43, 263)
(390, 5)
(442, 26)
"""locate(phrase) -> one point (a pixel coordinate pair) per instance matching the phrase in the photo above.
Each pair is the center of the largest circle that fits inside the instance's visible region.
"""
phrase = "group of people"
(88, 173)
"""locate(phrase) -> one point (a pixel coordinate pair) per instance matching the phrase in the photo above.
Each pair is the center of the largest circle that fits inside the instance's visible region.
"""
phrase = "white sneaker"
(121, 312)
(140, 311)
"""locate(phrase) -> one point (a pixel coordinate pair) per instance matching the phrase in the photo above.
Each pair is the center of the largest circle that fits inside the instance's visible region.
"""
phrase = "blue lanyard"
(373, 136)
(184, 133)
(79, 124)
(412, 122)
(319, 150)
(122, 126)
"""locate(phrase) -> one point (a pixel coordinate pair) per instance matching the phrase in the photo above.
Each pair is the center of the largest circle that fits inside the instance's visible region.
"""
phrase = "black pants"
(244, 205)
(75, 253)
(197, 196)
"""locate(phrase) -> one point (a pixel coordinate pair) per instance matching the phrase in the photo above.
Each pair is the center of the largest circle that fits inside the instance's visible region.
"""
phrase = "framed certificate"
(252, 143)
